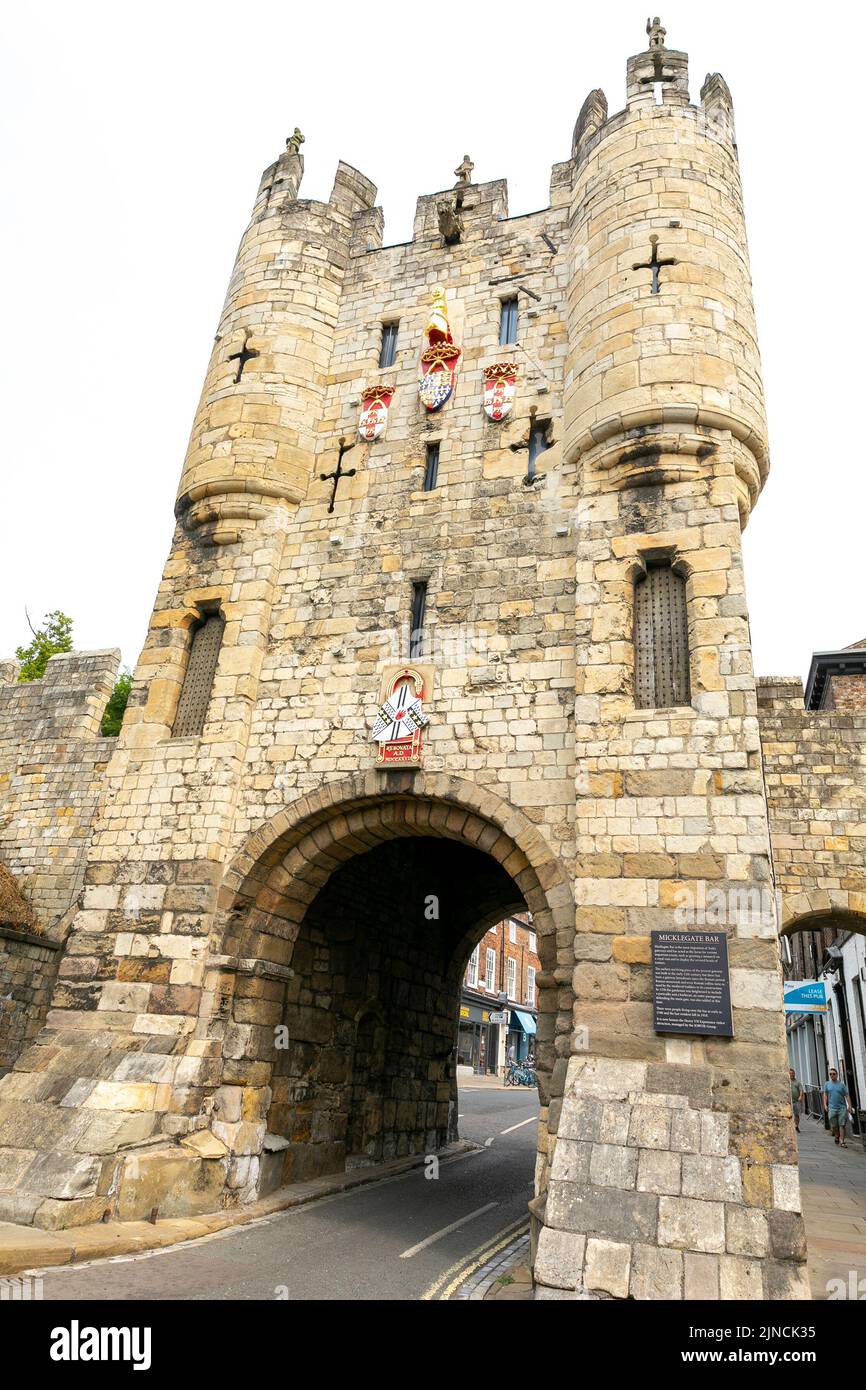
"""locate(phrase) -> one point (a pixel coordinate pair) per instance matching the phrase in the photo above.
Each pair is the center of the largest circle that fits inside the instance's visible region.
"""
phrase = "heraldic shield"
(376, 402)
(439, 358)
(499, 388)
(400, 719)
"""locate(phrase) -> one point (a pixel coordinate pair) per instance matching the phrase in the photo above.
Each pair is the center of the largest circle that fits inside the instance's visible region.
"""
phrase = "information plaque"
(691, 986)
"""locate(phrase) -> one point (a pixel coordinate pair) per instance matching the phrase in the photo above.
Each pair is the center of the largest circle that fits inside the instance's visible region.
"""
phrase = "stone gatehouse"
(258, 916)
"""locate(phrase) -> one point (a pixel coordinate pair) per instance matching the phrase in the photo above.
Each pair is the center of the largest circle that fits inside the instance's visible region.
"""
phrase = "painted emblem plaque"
(499, 389)
(439, 358)
(400, 719)
(376, 402)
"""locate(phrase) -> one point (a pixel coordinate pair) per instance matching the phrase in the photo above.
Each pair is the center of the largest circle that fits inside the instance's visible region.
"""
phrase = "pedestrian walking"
(796, 1099)
(837, 1106)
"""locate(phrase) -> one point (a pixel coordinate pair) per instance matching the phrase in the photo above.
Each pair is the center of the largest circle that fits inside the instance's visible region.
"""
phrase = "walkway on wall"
(833, 1183)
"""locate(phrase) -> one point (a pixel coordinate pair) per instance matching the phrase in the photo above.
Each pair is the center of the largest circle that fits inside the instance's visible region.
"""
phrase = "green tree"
(54, 636)
(114, 710)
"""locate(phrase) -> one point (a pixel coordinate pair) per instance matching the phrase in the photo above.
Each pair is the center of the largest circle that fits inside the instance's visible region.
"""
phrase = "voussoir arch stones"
(283, 864)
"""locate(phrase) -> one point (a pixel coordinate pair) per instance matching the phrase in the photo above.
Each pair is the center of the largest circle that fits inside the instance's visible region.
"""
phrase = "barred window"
(661, 640)
(204, 648)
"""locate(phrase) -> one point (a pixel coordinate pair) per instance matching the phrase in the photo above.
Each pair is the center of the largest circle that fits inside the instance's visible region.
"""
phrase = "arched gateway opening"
(346, 926)
(825, 942)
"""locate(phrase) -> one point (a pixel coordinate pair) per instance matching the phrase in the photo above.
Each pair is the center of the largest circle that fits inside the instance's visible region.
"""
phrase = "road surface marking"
(460, 1271)
(488, 1142)
(492, 1250)
(512, 1128)
(446, 1231)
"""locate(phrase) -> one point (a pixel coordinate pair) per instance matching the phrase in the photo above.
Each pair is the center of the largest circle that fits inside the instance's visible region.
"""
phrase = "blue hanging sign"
(806, 997)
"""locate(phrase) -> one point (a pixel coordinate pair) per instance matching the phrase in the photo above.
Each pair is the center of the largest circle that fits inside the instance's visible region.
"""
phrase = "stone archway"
(812, 922)
(343, 931)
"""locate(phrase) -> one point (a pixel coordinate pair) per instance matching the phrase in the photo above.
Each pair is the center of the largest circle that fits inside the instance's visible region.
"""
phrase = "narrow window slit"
(419, 609)
(388, 348)
(431, 471)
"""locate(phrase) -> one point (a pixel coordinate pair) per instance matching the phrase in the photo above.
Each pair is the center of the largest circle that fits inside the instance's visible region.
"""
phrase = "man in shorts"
(796, 1099)
(836, 1106)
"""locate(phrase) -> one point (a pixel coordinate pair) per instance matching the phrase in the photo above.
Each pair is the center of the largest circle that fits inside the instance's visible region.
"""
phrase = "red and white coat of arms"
(400, 719)
(499, 388)
(374, 415)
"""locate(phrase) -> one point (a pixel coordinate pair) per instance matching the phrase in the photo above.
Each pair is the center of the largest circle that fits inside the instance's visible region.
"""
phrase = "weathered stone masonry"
(52, 761)
(266, 875)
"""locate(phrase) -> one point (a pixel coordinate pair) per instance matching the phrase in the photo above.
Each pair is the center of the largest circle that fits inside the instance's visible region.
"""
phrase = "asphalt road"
(388, 1240)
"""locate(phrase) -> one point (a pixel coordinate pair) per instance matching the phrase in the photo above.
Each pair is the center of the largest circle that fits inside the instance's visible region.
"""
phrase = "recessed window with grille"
(508, 322)
(419, 608)
(431, 470)
(661, 640)
(388, 350)
(204, 649)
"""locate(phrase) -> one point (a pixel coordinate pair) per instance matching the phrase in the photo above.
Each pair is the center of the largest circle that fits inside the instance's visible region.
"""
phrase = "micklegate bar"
(452, 626)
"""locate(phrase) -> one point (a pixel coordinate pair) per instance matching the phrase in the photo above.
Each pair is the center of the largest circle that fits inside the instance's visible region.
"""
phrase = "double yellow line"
(448, 1283)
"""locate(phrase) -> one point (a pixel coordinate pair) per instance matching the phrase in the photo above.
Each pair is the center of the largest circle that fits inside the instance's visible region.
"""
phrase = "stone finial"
(656, 31)
(295, 141)
(464, 171)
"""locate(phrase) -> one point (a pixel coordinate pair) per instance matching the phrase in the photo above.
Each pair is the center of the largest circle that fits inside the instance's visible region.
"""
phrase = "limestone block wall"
(52, 761)
(815, 774)
(28, 967)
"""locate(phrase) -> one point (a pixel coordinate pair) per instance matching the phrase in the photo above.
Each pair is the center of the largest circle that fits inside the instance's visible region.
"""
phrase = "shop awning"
(524, 1021)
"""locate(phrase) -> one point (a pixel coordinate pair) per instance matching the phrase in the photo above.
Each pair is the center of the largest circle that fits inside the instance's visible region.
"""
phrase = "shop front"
(477, 1039)
(520, 1043)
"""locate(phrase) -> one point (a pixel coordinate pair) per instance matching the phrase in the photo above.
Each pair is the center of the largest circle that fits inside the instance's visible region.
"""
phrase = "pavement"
(412, 1234)
(833, 1187)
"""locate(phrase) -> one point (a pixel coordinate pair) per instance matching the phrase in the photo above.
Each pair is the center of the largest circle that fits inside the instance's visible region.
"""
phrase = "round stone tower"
(663, 365)
(253, 439)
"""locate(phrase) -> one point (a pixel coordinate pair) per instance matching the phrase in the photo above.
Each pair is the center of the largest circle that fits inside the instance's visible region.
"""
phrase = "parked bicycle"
(520, 1074)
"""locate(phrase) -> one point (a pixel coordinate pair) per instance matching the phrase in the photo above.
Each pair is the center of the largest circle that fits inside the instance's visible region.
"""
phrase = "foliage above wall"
(114, 710)
(54, 636)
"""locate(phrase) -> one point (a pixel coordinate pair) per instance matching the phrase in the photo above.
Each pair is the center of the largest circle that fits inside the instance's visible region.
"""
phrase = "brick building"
(500, 978)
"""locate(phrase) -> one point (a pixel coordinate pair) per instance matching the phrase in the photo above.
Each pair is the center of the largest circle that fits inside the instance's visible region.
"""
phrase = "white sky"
(133, 140)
